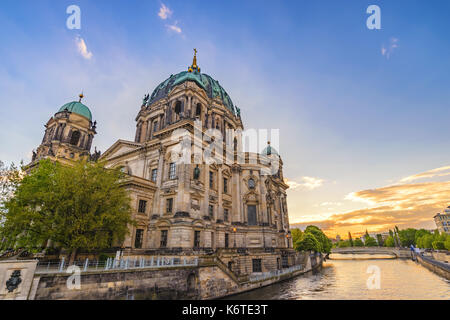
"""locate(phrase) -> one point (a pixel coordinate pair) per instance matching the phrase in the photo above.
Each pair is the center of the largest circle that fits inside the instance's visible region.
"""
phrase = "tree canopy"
(312, 239)
(358, 243)
(297, 234)
(389, 242)
(79, 206)
(370, 242)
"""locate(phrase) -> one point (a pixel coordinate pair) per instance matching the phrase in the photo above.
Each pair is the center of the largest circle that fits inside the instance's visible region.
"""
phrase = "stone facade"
(196, 205)
(442, 221)
(219, 199)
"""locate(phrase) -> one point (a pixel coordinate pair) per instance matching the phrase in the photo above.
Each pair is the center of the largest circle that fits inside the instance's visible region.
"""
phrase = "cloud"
(164, 12)
(438, 172)
(387, 50)
(82, 48)
(174, 27)
(327, 204)
(309, 183)
(407, 205)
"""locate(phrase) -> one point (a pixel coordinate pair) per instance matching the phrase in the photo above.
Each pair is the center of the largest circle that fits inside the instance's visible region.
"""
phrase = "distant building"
(338, 238)
(442, 221)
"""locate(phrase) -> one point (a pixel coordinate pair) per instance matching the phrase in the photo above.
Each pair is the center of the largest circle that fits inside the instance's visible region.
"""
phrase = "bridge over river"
(383, 251)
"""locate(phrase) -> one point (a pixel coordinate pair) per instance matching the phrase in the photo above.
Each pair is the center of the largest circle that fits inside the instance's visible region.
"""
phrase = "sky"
(363, 113)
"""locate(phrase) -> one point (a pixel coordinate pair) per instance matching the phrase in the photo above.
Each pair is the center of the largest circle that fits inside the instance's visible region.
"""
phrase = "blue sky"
(351, 118)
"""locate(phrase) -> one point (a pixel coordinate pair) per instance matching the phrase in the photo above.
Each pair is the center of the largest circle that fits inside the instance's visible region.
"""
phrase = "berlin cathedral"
(233, 209)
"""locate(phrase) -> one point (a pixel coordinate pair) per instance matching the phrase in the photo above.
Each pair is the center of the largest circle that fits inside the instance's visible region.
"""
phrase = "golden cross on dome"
(81, 96)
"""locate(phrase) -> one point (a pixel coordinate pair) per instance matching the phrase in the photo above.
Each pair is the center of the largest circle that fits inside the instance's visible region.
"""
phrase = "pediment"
(119, 148)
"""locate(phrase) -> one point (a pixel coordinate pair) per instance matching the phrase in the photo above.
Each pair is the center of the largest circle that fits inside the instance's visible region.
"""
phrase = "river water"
(347, 279)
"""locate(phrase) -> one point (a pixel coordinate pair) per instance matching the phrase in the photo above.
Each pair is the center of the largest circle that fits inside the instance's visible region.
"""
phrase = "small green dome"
(269, 150)
(78, 108)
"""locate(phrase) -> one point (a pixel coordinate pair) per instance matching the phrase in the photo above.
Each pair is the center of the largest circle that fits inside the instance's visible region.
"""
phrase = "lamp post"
(234, 231)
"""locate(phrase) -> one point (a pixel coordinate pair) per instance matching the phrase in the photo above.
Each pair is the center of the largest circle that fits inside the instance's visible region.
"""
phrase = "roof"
(78, 108)
(211, 86)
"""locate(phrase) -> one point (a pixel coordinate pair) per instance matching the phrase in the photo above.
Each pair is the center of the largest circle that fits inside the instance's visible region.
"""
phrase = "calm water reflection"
(346, 279)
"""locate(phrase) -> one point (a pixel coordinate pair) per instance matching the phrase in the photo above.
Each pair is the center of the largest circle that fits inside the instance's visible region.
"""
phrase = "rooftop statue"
(146, 97)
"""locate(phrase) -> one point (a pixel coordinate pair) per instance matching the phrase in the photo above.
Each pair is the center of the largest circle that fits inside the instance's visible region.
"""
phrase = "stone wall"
(437, 267)
(24, 282)
(443, 256)
(214, 283)
(173, 283)
(210, 280)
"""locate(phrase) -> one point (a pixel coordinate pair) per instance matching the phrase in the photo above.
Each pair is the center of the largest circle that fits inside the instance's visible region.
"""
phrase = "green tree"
(447, 243)
(439, 245)
(324, 243)
(407, 237)
(307, 243)
(79, 206)
(343, 244)
(380, 240)
(370, 242)
(350, 240)
(10, 177)
(389, 242)
(426, 241)
(420, 233)
(358, 243)
(297, 234)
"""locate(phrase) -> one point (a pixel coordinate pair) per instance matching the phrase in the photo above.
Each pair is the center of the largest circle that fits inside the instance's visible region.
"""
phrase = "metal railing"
(113, 264)
(276, 273)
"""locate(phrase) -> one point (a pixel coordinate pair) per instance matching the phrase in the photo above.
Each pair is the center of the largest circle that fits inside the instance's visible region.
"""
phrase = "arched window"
(155, 126)
(178, 107)
(198, 110)
(251, 183)
(75, 138)
(235, 144)
(251, 214)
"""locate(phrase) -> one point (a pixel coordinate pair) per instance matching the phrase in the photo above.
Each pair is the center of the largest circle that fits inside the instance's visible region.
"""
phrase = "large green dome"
(212, 87)
(78, 108)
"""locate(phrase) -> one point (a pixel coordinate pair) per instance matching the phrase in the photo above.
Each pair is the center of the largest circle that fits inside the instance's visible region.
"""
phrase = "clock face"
(251, 183)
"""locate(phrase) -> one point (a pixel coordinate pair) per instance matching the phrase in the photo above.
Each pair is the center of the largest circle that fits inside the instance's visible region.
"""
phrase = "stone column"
(156, 207)
(280, 205)
(236, 204)
(261, 214)
(143, 132)
(205, 209)
(219, 193)
(190, 114)
(182, 197)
